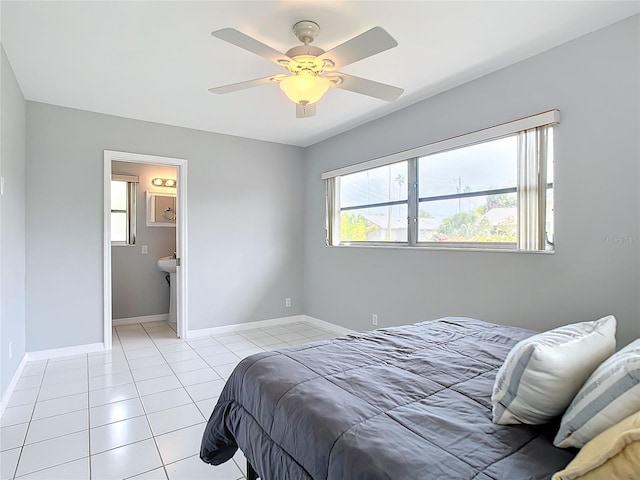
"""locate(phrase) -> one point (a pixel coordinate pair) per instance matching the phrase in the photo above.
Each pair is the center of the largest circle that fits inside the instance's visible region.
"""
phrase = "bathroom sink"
(167, 264)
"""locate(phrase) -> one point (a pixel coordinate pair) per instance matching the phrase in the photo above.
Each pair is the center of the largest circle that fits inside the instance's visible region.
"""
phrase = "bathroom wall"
(12, 224)
(245, 208)
(139, 288)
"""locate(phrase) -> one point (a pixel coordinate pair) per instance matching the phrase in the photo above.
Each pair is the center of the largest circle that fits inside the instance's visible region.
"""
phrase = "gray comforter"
(404, 403)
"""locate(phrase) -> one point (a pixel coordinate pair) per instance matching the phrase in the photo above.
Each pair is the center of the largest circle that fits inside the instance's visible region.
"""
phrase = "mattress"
(409, 402)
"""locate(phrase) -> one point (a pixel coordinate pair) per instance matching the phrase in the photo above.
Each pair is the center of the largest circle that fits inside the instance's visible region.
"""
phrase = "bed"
(410, 402)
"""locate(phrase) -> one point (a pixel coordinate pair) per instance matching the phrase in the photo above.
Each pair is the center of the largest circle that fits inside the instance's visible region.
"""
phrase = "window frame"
(521, 127)
(130, 211)
(410, 180)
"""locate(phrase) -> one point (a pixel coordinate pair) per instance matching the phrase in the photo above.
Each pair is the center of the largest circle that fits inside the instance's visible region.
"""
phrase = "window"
(374, 205)
(469, 195)
(491, 189)
(123, 209)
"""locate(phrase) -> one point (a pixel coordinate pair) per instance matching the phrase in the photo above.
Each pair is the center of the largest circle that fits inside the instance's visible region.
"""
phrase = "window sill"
(447, 249)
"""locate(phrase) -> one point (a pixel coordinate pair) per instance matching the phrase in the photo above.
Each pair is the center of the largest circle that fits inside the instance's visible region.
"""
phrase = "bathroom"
(143, 230)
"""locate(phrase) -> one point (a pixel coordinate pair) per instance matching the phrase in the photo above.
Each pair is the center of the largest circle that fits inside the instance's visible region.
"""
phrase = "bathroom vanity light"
(164, 182)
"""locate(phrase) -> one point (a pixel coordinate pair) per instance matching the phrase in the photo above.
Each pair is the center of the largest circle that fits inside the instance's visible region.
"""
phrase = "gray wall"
(246, 210)
(139, 287)
(245, 240)
(594, 82)
(12, 224)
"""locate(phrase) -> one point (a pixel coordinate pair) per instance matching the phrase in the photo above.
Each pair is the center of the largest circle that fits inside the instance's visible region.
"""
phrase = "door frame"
(181, 236)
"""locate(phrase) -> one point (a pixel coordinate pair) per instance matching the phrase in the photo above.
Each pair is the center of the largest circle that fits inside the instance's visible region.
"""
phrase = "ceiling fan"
(311, 70)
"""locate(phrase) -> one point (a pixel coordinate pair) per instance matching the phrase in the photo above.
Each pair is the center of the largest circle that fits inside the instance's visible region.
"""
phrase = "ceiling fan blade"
(366, 87)
(305, 111)
(364, 45)
(234, 87)
(250, 44)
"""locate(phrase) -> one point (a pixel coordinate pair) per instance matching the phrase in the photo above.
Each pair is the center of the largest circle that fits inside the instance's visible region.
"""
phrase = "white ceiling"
(155, 60)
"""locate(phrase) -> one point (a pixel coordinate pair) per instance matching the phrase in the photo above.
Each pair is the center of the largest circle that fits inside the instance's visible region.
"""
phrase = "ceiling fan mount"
(311, 69)
(305, 56)
(306, 31)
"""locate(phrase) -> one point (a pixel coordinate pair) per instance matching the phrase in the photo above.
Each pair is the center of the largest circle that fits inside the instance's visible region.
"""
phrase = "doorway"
(179, 220)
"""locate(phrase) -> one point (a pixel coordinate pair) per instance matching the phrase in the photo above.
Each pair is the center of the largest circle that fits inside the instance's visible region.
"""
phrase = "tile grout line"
(164, 467)
(89, 408)
(117, 421)
(153, 436)
(175, 373)
(52, 466)
(24, 444)
(208, 365)
(189, 394)
(24, 440)
(157, 339)
(89, 415)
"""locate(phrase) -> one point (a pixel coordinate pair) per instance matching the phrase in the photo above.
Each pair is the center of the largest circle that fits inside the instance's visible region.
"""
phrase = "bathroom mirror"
(161, 209)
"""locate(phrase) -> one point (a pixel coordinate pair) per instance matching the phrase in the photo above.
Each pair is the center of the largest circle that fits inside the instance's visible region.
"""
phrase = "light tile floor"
(138, 411)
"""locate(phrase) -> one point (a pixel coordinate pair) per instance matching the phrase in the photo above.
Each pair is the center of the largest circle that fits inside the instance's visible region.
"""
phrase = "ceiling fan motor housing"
(304, 50)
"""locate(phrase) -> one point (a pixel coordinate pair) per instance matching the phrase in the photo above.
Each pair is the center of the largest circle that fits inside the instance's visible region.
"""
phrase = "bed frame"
(251, 473)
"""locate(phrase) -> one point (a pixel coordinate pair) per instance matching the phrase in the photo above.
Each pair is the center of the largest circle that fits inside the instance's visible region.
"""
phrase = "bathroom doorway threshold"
(181, 236)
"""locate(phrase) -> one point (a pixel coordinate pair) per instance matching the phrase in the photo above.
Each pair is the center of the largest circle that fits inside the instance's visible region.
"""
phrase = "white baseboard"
(239, 327)
(12, 385)
(45, 355)
(328, 325)
(65, 351)
(100, 347)
(161, 317)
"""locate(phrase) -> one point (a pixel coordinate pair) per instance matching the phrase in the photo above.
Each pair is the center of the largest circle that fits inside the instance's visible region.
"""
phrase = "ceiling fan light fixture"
(304, 88)
(311, 70)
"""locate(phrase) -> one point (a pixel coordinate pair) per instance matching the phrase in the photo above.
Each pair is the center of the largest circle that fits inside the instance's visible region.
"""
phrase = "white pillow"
(542, 373)
(611, 394)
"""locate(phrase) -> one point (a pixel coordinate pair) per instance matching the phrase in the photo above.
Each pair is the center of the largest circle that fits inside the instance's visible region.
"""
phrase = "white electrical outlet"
(287, 302)
(1, 185)
(10, 350)
(374, 319)
(145, 249)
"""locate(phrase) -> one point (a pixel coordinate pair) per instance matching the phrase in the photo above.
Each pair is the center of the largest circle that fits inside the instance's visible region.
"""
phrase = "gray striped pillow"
(609, 395)
(543, 373)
